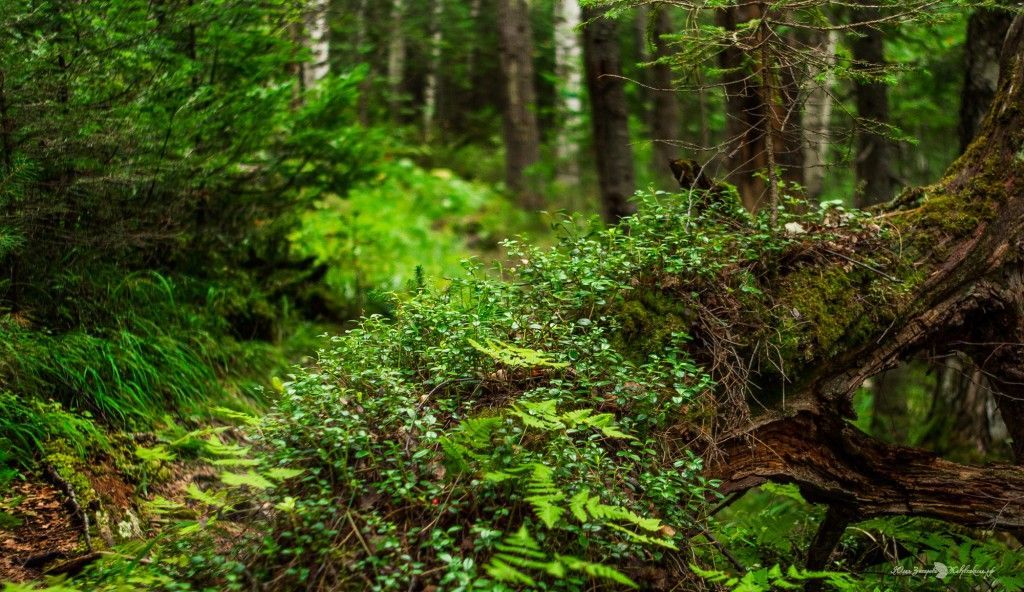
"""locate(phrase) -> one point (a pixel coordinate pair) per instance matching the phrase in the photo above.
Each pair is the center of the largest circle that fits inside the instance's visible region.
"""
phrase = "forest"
(495, 295)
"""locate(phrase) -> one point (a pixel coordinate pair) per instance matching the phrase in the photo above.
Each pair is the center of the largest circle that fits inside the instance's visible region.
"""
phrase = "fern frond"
(597, 570)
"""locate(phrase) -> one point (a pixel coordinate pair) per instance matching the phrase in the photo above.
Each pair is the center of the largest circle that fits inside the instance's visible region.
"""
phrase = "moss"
(649, 318)
(70, 468)
(827, 310)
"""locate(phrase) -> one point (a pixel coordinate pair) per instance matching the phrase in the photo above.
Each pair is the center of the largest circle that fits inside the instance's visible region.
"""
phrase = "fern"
(543, 495)
(515, 356)
(597, 570)
(520, 551)
(248, 479)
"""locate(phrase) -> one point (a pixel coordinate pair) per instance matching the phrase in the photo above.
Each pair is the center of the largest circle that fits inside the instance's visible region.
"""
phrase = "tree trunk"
(986, 30)
(396, 59)
(874, 149)
(366, 85)
(744, 114)
(430, 92)
(317, 40)
(960, 280)
(817, 120)
(609, 115)
(568, 72)
(522, 137)
(665, 120)
(962, 422)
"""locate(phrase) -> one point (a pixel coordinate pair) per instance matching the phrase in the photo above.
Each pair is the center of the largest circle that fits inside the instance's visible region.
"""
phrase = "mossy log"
(959, 286)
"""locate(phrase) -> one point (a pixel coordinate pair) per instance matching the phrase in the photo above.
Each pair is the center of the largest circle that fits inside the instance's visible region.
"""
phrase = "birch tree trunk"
(430, 90)
(396, 58)
(568, 71)
(609, 115)
(522, 138)
(817, 119)
(318, 41)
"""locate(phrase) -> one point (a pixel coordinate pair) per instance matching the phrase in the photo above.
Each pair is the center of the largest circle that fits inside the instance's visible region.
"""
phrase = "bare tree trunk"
(365, 86)
(986, 30)
(874, 149)
(665, 121)
(318, 41)
(522, 138)
(396, 59)
(609, 115)
(817, 120)
(746, 153)
(430, 90)
(568, 71)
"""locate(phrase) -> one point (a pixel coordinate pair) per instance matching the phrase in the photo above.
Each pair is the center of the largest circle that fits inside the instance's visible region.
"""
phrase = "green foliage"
(766, 579)
(407, 218)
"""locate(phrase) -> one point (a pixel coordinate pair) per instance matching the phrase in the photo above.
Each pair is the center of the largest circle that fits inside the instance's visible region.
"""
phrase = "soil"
(47, 531)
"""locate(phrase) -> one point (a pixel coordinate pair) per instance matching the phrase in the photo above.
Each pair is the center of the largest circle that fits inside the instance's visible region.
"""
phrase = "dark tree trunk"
(522, 138)
(746, 153)
(609, 115)
(665, 123)
(874, 149)
(986, 30)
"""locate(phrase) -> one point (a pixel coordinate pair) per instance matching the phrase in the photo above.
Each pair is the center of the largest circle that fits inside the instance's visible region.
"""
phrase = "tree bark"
(959, 285)
(746, 153)
(986, 31)
(874, 149)
(396, 59)
(609, 115)
(568, 71)
(522, 137)
(430, 87)
(318, 41)
(665, 119)
(817, 120)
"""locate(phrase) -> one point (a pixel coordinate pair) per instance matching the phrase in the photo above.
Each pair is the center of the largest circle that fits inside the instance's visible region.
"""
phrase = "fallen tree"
(963, 244)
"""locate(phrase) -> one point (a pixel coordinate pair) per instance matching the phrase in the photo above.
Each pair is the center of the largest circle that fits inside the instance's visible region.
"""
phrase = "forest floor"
(42, 535)
(42, 531)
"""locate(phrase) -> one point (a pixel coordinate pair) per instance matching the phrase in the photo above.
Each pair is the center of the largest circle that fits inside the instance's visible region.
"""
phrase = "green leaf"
(248, 479)
(577, 504)
(282, 473)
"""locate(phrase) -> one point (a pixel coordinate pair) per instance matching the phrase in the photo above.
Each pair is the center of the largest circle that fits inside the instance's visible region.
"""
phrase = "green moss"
(648, 319)
(70, 467)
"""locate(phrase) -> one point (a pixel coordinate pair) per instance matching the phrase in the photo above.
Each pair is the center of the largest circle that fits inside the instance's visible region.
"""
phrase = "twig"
(864, 265)
(72, 501)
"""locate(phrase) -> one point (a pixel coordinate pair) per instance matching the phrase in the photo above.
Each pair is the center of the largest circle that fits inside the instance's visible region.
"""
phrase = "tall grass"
(152, 346)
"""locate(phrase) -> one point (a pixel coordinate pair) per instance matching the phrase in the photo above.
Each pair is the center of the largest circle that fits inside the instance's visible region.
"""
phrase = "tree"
(986, 30)
(969, 294)
(430, 89)
(817, 119)
(874, 145)
(568, 66)
(318, 42)
(396, 58)
(609, 114)
(664, 117)
(522, 137)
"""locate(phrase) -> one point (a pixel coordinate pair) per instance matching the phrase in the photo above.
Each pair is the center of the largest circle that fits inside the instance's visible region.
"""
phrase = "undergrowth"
(502, 434)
